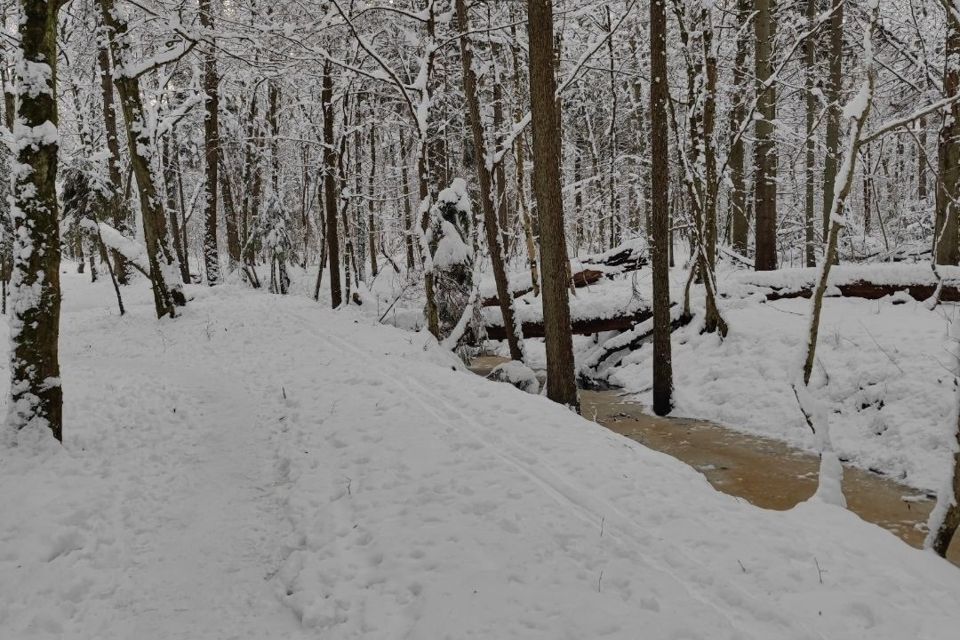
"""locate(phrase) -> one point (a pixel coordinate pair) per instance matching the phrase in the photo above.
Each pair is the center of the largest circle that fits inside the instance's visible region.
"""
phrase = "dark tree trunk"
(659, 211)
(211, 145)
(330, 187)
(765, 150)
(561, 383)
(36, 396)
(948, 156)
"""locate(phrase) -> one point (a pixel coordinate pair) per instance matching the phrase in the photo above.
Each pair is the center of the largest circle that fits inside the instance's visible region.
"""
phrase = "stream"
(763, 471)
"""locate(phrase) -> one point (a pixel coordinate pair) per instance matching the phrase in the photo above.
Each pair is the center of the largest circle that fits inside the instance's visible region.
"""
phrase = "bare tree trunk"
(519, 159)
(491, 224)
(765, 150)
(36, 395)
(211, 145)
(561, 384)
(922, 160)
(117, 209)
(659, 210)
(330, 187)
(738, 193)
(810, 144)
(167, 292)
(371, 207)
(229, 212)
(948, 156)
(832, 94)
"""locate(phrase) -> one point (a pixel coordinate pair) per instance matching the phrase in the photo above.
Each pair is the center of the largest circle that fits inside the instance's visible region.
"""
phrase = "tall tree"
(36, 396)
(739, 227)
(211, 145)
(164, 266)
(117, 207)
(491, 222)
(810, 144)
(330, 172)
(948, 155)
(547, 152)
(659, 210)
(833, 92)
(765, 149)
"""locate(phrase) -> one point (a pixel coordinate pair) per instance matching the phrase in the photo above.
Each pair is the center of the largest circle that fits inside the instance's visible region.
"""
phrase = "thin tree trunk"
(491, 223)
(371, 207)
(739, 227)
(810, 144)
(116, 205)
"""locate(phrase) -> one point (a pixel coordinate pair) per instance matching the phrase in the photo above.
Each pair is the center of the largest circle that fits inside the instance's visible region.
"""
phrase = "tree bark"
(832, 92)
(211, 145)
(948, 156)
(765, 151)
(659, 210)
(739, 227)
(167, 292)
(561, 383)
(36, 396)
(491, 223)
(810, 144)
(330, 186)
(117, 209)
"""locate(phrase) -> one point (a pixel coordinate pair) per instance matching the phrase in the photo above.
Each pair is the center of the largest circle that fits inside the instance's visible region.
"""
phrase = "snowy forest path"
(202, 517)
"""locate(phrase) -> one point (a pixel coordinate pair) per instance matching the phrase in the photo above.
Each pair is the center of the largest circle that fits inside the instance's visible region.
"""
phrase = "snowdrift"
(264, 468)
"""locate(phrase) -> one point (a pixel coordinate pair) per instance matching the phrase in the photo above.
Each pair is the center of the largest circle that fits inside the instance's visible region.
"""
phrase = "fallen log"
(872, 291)
(618, 346)
(630, 256)
(583, 327)
(583, 278)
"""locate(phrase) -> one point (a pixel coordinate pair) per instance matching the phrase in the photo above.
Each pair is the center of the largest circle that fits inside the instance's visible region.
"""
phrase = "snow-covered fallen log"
(870, 282)
(586, 270)
(609, 305)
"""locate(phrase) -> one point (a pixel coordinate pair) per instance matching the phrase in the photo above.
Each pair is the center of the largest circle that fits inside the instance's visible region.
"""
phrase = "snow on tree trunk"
(211, 135)
(36, 397)
(945, 518)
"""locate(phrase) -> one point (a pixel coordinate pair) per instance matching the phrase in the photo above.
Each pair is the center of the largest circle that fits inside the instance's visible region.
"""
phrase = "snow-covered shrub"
(518, 374)
(452, 253)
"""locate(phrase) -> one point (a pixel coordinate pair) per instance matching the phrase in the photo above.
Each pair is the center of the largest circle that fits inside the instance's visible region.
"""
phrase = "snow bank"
(517, 374)
(264, 468)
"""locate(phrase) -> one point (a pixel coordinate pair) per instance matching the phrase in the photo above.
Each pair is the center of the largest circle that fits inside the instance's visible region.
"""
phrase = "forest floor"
(262, 467)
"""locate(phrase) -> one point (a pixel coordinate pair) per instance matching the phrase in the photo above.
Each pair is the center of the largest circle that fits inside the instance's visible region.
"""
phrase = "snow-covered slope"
(263, 468)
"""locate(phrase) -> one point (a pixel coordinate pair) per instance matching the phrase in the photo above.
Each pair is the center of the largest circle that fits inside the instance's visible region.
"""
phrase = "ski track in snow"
(324, 478)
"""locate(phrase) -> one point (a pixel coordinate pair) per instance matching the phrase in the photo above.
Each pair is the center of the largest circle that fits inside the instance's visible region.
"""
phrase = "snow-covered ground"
(264, 468)
(883, 366)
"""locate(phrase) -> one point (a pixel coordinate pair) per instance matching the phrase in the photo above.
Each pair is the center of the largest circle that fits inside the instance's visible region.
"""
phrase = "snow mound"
(518, 374)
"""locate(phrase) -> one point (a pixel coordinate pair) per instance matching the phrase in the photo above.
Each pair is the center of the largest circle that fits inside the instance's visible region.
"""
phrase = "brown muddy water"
(765, 472)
